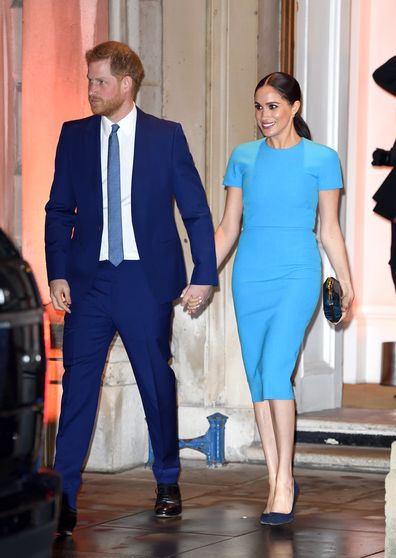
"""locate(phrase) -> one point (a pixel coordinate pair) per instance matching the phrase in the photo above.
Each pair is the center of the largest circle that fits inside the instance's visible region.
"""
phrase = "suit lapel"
(92, 161)
(141, 170)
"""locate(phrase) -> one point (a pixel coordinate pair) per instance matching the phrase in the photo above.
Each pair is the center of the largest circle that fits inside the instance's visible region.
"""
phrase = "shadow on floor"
(339, 515)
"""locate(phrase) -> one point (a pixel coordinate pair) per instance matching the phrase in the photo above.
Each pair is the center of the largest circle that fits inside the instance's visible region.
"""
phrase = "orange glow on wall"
(55, 38)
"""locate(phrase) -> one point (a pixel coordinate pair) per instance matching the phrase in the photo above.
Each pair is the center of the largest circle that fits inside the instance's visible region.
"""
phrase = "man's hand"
(60, 295)
(195, 296)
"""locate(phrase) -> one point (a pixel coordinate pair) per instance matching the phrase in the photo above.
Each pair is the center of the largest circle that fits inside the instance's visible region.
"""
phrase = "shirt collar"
(126, 124)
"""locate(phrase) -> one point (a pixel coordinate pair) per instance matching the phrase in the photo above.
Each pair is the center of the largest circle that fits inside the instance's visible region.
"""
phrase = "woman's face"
(274, 114)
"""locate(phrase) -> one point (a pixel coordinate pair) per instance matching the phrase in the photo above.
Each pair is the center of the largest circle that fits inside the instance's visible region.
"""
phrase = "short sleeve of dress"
(233, 175)
(330, 176)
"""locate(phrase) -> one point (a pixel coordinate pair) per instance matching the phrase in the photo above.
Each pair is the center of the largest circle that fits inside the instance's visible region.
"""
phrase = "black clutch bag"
(332, 300)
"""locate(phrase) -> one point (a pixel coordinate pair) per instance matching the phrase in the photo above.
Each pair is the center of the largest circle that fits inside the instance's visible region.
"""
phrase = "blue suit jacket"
(163, 172)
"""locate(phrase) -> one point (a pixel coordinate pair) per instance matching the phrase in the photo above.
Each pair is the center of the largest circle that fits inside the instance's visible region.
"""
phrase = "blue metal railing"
(211, 443)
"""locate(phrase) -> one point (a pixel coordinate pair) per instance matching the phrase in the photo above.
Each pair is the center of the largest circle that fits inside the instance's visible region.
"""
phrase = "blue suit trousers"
(119, 300)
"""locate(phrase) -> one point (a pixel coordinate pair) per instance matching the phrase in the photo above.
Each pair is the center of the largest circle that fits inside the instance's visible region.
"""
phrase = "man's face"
(107, 94)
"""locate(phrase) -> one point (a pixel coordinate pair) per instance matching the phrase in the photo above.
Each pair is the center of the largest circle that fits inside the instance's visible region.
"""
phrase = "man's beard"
(105, 108)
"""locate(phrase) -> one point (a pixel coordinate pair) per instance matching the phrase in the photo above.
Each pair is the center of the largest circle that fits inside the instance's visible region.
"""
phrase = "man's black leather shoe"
(67, 519)
(168, 502)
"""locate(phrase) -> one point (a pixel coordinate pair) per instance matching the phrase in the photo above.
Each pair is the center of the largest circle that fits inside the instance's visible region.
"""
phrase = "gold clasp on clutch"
(330, 285)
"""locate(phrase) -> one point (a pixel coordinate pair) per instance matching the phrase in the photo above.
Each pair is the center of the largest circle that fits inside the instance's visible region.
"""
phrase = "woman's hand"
(346, 299)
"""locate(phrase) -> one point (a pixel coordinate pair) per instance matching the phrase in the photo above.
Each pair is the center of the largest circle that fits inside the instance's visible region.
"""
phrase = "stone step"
(333, 430)
(332, 457)
(348, 426)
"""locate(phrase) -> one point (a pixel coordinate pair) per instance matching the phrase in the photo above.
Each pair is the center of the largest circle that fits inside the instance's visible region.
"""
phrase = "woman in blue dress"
(274, 185)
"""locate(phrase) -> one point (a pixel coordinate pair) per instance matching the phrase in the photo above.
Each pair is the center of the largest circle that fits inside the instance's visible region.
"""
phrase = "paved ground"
(339, 515)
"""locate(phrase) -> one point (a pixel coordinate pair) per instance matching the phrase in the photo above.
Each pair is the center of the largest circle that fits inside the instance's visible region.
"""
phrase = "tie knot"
(114, 128)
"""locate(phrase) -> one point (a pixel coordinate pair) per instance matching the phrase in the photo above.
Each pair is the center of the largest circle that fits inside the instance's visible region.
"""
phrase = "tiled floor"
(339, 515)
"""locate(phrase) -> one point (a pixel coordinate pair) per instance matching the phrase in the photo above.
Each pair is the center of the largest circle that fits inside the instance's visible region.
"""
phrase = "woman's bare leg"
(264, 423)
(283, 413)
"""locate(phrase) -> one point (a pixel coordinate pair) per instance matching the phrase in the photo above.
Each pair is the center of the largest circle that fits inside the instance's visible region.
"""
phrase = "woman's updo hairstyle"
(288, 88)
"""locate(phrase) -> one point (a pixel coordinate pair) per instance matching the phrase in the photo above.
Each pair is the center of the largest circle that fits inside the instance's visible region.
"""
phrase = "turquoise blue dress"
(277, 270)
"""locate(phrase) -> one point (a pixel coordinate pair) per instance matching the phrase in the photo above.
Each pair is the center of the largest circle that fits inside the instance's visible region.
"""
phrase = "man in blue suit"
(115, 262)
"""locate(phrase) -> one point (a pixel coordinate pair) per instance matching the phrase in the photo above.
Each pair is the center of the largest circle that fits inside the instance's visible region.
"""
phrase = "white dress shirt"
(126, 140)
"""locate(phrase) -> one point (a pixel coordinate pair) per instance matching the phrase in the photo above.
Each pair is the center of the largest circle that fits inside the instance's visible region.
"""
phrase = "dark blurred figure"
(385, 196)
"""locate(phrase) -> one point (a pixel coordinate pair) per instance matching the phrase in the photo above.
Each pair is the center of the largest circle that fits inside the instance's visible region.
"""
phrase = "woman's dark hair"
(288, 87)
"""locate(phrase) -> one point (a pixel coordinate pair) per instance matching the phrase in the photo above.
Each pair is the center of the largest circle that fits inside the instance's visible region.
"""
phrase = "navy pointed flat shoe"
(275, 518)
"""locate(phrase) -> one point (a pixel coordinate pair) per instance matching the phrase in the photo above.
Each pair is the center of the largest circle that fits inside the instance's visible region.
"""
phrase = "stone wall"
(201, 63)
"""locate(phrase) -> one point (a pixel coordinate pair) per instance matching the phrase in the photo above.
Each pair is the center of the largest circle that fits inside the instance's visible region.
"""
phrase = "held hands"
(60, 295)
(194, 297)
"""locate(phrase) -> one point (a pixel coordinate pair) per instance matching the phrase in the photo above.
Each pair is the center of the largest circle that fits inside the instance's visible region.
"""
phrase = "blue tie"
(116, 251)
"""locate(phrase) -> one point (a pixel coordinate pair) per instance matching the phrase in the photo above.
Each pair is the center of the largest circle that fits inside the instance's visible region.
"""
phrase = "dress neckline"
(283, 148)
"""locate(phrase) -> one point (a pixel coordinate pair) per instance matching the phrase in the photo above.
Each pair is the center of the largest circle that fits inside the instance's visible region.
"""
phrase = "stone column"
(208, 87)
(232, 67)
(201, 63)
(138, 23)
